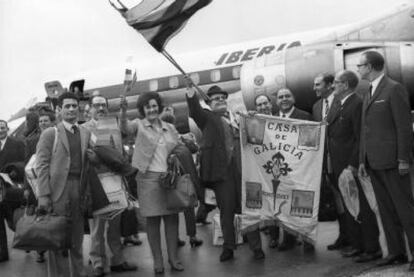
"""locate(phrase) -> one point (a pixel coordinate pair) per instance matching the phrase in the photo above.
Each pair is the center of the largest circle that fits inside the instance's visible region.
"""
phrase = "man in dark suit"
(11, 150)
(343, 143)
(220, 163)
(323, 87)
(385, 154)
(285, 101)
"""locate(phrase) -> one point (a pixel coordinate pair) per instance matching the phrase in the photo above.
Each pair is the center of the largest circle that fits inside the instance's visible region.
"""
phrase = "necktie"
(74, 129)
(370, 91)
(326, 109)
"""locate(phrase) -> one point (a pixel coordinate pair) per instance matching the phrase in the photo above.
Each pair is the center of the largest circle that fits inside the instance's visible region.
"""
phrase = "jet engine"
(297, 67)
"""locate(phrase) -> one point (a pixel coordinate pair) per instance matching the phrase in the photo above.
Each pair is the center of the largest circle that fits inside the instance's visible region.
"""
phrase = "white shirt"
(3, 142)
(288, 114)
(159, 161)
(68, 126)
(330, 99)
(375, 83)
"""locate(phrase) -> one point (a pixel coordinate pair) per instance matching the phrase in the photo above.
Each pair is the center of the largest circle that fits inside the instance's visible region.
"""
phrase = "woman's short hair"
(47, 112)
(144, 100)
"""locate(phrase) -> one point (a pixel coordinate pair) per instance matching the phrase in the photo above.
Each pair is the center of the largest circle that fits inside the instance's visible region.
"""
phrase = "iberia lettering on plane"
(249, 54)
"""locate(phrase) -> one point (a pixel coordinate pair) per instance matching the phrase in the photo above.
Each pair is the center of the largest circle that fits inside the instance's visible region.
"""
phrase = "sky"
(44, 40)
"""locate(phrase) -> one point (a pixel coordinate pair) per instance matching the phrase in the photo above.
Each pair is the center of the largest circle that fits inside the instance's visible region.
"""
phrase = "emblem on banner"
(255, 130)
(277, 167)
(302, 203)
(254, 195)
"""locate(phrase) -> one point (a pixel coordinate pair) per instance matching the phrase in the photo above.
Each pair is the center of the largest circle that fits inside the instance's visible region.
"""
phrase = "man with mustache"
(99, 110)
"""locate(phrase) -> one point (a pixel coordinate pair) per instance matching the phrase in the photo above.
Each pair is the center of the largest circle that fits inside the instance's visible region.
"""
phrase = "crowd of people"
(369, 134)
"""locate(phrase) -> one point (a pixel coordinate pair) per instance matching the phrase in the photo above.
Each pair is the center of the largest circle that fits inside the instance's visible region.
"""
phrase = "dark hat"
(216, 90)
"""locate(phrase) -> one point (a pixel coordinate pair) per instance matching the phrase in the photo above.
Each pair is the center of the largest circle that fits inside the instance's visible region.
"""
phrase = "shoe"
(133, 241)
(273, 243)
(351, 253)
(195, 242)
(368, 257)
(98, 272)
(180, 243)
(338, 244)
(226, 255)
(259, 254)
(159, 270)
(177, 266)
(411, 267)
(4, 258)
(40, 258)
(393, 260)
(123, 267)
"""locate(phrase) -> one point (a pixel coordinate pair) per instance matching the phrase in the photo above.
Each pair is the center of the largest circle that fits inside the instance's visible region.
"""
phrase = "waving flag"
(160, 20)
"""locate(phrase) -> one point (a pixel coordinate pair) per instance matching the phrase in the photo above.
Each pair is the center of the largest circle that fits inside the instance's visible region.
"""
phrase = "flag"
(160, 20)
(128, 77)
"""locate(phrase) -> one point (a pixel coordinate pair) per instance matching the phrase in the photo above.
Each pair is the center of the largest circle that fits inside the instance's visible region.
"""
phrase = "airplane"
(260, 66)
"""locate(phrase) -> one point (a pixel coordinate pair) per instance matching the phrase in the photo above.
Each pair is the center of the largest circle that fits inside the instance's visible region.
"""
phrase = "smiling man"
(220, 164)
(61, 168)
(285, 102)
(99, 110)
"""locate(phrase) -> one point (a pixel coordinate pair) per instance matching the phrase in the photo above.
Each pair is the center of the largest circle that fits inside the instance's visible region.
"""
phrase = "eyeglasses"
(218, 98)
(68, 106)
(338, 82)
(361, 65)
(99, 105)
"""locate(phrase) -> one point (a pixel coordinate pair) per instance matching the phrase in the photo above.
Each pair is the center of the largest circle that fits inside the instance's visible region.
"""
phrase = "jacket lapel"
(333, 111)
(62, 135)
(319, 110)
(377, 91)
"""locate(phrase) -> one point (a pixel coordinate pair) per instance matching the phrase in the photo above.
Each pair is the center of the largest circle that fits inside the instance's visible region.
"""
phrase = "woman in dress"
(154, 140)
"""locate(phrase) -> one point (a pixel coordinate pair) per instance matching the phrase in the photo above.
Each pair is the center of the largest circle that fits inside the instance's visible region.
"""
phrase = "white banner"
(281, 173)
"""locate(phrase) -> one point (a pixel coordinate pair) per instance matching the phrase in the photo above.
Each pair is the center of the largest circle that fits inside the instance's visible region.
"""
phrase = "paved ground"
(203, 261)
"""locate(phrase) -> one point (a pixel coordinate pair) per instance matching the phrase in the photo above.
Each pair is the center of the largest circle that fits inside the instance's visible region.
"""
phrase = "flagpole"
(173, 62)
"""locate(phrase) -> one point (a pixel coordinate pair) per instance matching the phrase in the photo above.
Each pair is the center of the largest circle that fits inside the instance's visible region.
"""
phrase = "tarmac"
(203, 261)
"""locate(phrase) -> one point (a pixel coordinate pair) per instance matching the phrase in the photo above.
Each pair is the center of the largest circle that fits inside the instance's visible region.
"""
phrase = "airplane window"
(153, 85)
(195, 77)
(174, 82)
(215, 75)
(236, 72)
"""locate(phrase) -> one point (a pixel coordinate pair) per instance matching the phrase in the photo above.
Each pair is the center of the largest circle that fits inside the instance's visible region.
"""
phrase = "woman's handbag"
(181, 195)
(43, 232)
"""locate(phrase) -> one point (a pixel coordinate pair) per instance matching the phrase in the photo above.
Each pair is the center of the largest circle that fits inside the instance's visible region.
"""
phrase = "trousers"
(68, 204)
(97, 252)
(396, 206)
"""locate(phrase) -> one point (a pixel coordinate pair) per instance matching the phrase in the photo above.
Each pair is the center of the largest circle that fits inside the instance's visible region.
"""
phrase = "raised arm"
(127, 127)
(196, 111)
